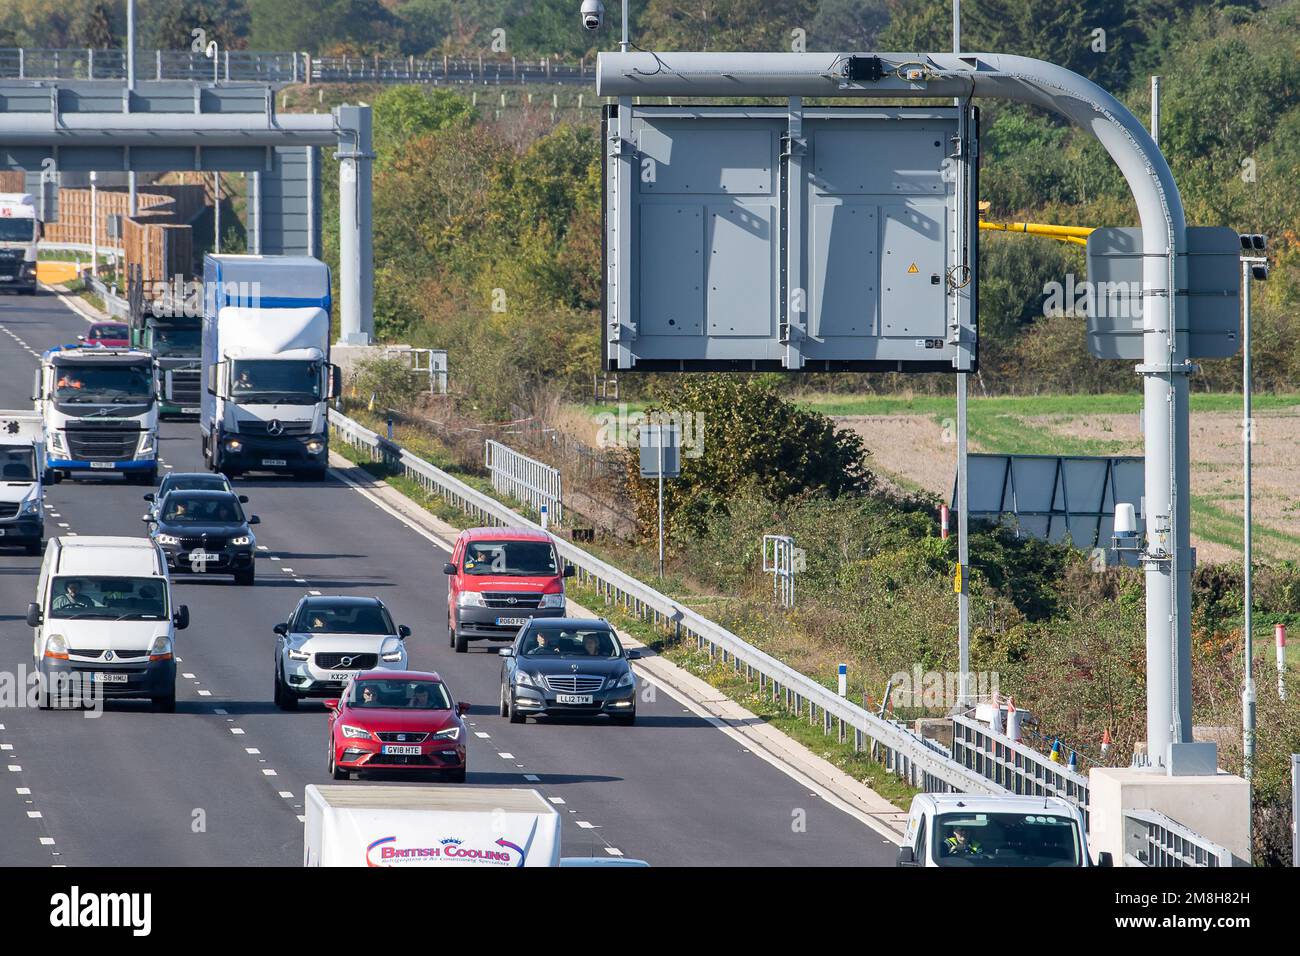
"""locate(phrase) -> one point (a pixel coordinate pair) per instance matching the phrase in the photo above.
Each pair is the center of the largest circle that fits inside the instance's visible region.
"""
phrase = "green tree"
(169, 24)
(724, 24)
(94, 28)
(849, 24)
(405, 113)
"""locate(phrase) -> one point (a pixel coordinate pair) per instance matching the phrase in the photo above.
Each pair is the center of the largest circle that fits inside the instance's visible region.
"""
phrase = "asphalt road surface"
(220, 782)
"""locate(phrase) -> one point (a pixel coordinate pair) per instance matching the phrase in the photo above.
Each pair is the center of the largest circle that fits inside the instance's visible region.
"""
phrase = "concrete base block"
(1217, 807)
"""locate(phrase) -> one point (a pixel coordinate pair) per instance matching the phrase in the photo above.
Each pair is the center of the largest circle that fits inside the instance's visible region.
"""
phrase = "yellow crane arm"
(1077, 235)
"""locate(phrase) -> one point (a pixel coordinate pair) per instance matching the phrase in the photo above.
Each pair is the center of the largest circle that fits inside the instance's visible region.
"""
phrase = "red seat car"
(499, 579)
(111, 335)
(397, 721)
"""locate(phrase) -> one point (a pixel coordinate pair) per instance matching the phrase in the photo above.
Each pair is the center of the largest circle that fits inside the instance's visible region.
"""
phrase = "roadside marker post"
(844, 680)
(1279, 632)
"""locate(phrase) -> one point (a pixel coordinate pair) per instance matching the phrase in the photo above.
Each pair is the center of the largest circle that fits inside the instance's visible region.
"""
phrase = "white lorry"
(99, 407)
(20, 230)
(964, 830)
(429, 826)
(22, 489)
(266, 365)
(103, 622)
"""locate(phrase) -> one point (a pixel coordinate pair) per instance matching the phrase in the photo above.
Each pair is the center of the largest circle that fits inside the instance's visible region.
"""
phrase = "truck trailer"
(20, 230)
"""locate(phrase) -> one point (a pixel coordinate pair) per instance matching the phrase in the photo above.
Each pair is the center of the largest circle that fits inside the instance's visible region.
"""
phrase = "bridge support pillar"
(356, 251)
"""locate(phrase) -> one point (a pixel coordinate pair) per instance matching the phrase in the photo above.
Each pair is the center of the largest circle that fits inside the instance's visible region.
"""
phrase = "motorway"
(220, 782)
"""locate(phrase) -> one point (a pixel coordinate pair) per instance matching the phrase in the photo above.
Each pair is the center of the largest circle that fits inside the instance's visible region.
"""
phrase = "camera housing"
(593, 15)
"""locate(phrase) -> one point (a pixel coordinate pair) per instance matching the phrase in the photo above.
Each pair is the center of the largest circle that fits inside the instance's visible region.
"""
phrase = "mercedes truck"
(20, 230)
(266, 365)
(99, 409)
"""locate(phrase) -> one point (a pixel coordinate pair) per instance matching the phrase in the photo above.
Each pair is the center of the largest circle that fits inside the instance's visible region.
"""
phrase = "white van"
(962, 830)
(22, 489)
(104, 620)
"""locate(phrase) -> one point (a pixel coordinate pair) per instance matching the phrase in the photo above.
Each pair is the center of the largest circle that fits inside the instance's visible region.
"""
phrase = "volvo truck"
(20, 230)
(22, 490)
(99, 409)
(175, 343)
(266, 365)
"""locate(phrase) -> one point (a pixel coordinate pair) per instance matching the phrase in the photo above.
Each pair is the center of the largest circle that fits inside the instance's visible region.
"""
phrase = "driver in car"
(543, 646)
(71, 597)
(420, 697)
(960, 843)
(591, 644)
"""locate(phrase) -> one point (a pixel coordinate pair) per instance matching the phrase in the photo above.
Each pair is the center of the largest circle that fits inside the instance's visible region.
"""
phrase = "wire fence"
(525, 479)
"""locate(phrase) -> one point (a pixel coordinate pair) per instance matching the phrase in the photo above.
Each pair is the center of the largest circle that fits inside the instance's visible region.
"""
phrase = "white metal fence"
(1153, 839)
(903, 752)
(526, 479)
(779, 561)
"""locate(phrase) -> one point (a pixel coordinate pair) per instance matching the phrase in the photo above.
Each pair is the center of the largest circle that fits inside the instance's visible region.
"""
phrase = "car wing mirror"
(449, 568)
(331, 704)
(462, 708)
(34, 615)
(146, 517)
(403, 631)
(254, 519)
(906, 856)
(149, 496)
(1105, 859)
(631, 654)
(570, 570)
(182, 617)
(504, 652)
(243, 499)
(281, 629)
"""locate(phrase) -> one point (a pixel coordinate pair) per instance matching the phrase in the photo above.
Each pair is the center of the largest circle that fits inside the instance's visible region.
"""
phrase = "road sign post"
(660, 459)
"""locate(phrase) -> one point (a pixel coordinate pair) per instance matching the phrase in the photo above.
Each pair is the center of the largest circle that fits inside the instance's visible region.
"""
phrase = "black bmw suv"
(205, 532)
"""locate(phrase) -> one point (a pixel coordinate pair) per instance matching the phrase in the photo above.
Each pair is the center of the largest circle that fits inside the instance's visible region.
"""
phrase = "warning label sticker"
(912, 268)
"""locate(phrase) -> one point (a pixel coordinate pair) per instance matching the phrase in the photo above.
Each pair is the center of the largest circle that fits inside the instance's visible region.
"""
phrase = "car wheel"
(167, 704)
(624, 720)
(462, 644)
(35, 547)
(503, 708)
(246, 578)
(513, 712)
(451, 635)
(335, 772)
(457, 776)
(285, 699)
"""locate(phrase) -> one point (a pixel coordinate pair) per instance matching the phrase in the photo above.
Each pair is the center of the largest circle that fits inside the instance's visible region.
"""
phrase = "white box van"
(963, 830)
(22, 490)
(104, 620)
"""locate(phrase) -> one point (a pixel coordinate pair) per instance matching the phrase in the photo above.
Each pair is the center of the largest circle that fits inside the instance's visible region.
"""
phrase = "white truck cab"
(22, 489)
(962, 830)
(104, 622)
(20, 230)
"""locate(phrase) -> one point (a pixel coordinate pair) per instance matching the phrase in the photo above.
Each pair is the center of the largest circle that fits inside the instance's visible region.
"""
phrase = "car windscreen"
(119, 332)
(320, 618)
(96, 597)
(571, 642)
(179, 508)
(529, 559)
(280, 381)
(402, 694)
(17, 464)
(1025, 838)
(103, 384)
(15, 229)
(194, 483)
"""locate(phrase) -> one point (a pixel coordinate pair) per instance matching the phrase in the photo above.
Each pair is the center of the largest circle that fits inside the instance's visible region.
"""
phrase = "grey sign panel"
(1054, 498)
(771, 238)
(1113, 297)
(288, 227)
(651, 437)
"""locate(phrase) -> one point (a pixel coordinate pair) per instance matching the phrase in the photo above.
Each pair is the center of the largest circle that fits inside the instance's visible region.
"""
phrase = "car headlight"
(298, 655)
(233, 444)
(552, 600)
(56, 645)
(392, 650)
(314, 446)
(627, 680)
(161, 649)
(242, 540)
(146, 445)
(355, 732)
(470, 599)
(167, 539)
(451, 733)
(30, 505)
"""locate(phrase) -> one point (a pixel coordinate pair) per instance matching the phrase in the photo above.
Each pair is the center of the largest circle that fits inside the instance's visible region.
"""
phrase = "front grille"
(89, 442)
(203, 544)
(9, 510)
(185, 387)
(334, 661)
(574, 684)
(263, 429)
(404, 760)
(511, 599)
(401, 737)
(95, 655)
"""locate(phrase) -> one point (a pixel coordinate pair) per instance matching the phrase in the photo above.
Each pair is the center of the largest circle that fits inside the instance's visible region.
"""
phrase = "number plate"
(511, 621)
(573, 698)
(108, 677)
(341, 675)
(202, 557)
(101, 464)
(402, 749)
(189, 411)
(274, 462)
